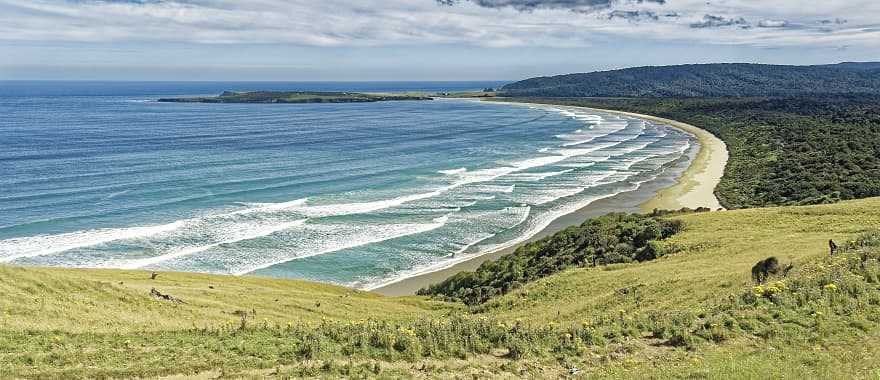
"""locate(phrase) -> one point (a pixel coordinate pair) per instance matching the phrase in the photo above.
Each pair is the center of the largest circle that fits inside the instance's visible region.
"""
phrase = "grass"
(112, 301)
(693, 313)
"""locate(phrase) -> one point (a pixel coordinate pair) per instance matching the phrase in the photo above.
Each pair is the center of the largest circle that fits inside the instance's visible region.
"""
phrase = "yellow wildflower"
(758, 291)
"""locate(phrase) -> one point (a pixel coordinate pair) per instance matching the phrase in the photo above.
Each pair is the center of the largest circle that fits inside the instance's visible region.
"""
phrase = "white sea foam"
(114, 195)
(468, 177)
(327, 244)
(536, 226)
(492, 220)
(219, 235)
(482, 197)
(544, 196)
(32, 246)
(12, 249)
(580, 139)
(538, 176)
(240, 233)
(540, 222)
(494, 189)
(41, 245)
(453, 258)
(631, 163)
(264, 207)
(338, 209)
(452, 171)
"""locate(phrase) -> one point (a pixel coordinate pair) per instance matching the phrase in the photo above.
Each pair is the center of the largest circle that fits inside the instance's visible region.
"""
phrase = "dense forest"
(707, 80)
(610, 239)
(783, 151)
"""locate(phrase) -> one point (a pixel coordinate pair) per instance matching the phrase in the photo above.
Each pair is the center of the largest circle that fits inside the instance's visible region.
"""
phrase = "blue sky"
(416, 39)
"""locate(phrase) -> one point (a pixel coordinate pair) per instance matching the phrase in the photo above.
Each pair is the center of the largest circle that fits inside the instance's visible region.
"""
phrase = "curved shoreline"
(696, 186)
(692, 187)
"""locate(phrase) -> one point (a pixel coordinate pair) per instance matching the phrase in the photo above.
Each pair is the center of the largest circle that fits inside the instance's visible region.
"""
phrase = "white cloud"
(408, 22)
(773, 23)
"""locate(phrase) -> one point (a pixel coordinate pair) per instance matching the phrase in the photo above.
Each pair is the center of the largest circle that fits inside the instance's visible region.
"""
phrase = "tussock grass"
(691, 313)
(102, 301)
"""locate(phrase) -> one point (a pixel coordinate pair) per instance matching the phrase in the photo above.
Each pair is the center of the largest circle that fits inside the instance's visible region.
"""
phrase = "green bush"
(610, 239)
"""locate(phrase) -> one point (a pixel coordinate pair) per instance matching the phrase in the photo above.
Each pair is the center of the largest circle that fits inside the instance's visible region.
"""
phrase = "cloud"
(634, 15)
(484, 23)
(712, 21)
(773, 24)
(531, 5)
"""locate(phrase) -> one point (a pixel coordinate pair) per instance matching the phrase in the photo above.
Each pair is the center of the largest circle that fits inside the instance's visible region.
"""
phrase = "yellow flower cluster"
(407, 331)
(830, 287)
(769, 289)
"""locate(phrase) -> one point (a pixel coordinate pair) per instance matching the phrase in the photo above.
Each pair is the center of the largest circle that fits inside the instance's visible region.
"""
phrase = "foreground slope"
(692, 312)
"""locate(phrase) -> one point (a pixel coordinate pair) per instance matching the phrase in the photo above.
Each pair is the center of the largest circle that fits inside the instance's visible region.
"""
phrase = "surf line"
(191, 251)
(41, 245)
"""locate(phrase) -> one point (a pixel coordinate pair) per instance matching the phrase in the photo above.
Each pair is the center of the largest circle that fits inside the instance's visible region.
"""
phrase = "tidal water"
(99, 174)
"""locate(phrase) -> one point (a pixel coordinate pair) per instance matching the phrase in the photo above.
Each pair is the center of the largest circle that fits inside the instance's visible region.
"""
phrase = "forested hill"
(708, 80)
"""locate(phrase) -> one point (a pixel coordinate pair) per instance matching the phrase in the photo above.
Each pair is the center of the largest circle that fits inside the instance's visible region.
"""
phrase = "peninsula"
(296, 97)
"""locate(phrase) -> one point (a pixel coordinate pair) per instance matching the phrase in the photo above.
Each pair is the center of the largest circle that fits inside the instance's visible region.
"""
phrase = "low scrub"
(610, 239)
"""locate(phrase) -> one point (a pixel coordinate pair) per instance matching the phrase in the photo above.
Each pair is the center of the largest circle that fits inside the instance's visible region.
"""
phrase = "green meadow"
(693, 312)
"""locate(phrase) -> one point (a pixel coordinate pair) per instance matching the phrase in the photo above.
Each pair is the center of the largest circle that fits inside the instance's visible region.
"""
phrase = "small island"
(296, 97)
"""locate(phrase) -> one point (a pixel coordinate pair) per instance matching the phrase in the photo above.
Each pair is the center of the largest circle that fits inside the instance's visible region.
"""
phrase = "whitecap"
(452, 171)
(335, 238)
(42, 245)
(241, 233)
(32, 246)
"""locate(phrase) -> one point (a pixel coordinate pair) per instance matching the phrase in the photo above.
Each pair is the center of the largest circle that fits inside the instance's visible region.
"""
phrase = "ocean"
(100, 175)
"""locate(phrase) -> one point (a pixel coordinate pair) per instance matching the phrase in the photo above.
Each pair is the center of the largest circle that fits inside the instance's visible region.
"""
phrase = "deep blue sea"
(99, 174)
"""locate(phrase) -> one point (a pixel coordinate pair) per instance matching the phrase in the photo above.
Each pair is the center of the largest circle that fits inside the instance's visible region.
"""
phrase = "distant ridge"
(707, 80)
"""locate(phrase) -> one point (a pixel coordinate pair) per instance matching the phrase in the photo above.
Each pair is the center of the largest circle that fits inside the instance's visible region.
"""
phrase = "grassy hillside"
(783, 151)
(691, 313)
(716, 79)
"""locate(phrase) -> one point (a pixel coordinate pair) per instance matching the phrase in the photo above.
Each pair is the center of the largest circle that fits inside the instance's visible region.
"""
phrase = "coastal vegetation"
(707, 80)
(692, 312)
(783, 151)
(752, 291)
(610, 239)
(296, 97)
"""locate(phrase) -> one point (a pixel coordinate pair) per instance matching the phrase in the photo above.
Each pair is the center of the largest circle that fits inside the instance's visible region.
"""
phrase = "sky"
(370, 40)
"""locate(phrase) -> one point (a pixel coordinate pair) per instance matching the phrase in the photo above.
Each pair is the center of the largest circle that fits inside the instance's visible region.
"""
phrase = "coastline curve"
(693, 188)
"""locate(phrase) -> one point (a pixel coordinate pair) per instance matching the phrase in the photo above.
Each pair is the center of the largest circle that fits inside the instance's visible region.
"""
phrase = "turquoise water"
(355, 194)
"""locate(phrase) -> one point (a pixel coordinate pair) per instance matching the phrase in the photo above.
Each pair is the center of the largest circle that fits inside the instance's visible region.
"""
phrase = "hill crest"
(707, 80)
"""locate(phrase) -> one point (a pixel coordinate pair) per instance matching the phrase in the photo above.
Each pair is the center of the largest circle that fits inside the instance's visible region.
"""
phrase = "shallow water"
(355, 194)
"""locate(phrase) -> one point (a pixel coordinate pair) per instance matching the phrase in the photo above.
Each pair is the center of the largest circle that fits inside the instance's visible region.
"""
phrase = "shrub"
(610, 239)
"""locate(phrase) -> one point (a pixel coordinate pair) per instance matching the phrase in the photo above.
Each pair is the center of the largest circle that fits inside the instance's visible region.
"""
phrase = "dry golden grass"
(104, 323)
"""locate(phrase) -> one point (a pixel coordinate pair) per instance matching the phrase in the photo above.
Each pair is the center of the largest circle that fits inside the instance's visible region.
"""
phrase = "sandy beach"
(690, 186)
